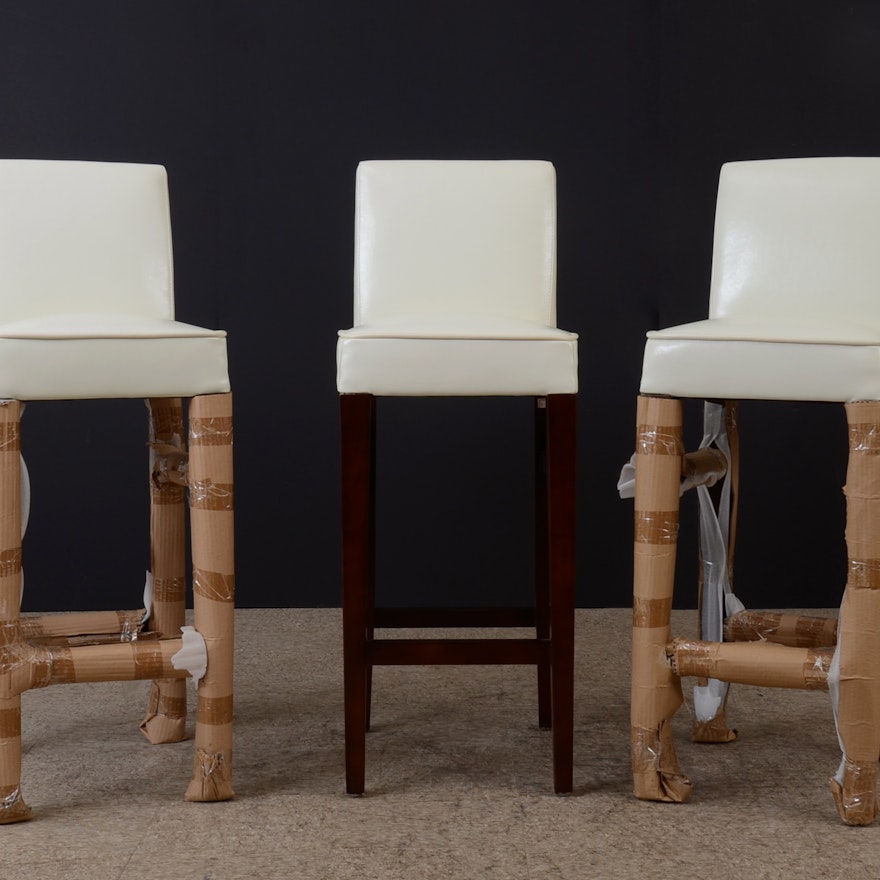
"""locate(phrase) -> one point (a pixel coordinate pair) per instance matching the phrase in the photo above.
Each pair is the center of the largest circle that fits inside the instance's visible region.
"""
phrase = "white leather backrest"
(441, 238)
(84, 237)
(797, 238)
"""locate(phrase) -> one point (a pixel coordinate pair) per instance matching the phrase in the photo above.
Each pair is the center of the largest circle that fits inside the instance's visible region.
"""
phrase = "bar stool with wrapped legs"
(86, 312)
(454, 295)
(794, 314)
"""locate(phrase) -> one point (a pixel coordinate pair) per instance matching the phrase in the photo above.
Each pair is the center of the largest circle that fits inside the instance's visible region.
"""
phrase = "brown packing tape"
(211, 431)
(651, 613)
(215, 710)
(864, 574)
(167, 493)
(174, 707)
(656, 526)
(62, 669)
(25, 666)
(10, 723)
(654, 439)
(10, 436)
(148, 661)
(169, 589)
(10, 561)
(214, 585)
(208, 495)
(864, 438)
(816, 632)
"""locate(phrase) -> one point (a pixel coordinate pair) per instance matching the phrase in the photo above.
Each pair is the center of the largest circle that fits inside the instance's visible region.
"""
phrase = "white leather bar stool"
(794, 314)
(455, 295)
(86, 287)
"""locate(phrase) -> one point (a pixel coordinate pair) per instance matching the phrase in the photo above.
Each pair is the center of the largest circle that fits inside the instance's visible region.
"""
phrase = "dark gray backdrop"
(260, 111)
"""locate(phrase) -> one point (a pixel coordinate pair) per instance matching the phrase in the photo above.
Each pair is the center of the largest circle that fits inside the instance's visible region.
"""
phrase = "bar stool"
(88, 312)
(793, 315)
(455, 295)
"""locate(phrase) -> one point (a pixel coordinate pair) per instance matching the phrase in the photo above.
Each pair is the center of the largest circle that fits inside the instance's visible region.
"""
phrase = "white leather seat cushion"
(784, 359)
(80, 356)
(470, 355)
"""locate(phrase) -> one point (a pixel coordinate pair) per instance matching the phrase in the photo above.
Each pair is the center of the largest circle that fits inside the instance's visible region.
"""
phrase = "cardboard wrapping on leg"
(116, 625)
(716, 729)
(856, 797)
(125, 661)
(211, 511)
(797, 630)
(656, 774)
(756, 663)
(656, 690)
(859, 700)
(165, 720)
(12, 805)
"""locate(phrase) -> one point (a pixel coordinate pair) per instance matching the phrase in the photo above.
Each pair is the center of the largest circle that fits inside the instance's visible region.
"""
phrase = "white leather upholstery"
(455, 282)
(86, 287)
(794, 309)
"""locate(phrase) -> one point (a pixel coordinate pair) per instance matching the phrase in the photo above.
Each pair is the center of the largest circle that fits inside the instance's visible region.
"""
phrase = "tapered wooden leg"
(12, 805)
(357, 434)
(561, 498)
(371, 574)
(855, 788)
(166, 716)
(656, 690)
(211, 512)
(542, 562)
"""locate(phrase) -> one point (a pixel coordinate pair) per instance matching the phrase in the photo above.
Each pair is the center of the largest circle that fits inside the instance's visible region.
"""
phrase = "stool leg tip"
(14, 809)
(211, 779)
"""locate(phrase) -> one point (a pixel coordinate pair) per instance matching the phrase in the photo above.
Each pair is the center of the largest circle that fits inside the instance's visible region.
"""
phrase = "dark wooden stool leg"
(561, 495)
(371, 572)
(357, 434)
(542, 563)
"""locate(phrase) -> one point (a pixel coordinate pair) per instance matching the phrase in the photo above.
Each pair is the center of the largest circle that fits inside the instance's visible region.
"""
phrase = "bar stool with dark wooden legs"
(455, 296)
